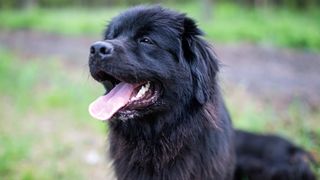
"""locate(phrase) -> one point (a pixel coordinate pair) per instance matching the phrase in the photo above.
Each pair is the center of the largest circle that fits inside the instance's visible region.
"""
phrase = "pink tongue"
(106, 106)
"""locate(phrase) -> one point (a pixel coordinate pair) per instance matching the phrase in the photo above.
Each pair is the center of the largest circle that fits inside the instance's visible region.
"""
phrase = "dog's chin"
(139, 98)
(131, 115)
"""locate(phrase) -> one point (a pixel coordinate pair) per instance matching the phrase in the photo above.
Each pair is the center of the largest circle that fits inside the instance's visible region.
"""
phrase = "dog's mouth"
(124, 98)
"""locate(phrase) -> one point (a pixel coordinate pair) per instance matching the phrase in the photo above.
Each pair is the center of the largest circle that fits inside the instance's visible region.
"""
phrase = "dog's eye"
(146, 40)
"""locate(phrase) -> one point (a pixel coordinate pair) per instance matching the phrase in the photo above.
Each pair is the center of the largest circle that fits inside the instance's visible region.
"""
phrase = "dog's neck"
(156, 139)
(156, 143)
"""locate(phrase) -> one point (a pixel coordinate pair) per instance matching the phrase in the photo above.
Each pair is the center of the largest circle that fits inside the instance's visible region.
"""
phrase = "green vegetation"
(298, 4)
(297, 122)
(32, 85)
(44, 121)
(44, 124)
(45, 128)
(63, 21)
(230, 23)
(282, 27)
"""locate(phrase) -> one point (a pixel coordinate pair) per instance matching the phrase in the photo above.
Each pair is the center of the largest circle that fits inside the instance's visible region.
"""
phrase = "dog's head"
(151, 61)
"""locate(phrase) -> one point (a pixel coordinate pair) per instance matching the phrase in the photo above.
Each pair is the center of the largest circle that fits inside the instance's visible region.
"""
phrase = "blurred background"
(270, 77)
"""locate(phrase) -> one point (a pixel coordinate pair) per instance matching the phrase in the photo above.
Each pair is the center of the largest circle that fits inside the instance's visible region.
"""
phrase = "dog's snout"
(101, 48)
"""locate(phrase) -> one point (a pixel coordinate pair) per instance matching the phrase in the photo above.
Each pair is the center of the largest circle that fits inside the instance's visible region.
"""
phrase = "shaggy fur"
(269, 157)
(186, 134)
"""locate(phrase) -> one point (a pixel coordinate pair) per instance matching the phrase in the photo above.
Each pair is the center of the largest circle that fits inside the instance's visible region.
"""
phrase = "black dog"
(166, 115)
(269, 157)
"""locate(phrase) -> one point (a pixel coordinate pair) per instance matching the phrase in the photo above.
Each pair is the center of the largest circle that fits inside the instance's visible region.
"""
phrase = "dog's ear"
(201, 58)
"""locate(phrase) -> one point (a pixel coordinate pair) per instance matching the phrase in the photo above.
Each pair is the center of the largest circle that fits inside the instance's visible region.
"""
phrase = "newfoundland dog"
(166, 115)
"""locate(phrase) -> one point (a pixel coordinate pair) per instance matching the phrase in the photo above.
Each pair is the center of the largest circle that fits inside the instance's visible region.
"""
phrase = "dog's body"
(175, 150)
(269, 157)
(176, 126)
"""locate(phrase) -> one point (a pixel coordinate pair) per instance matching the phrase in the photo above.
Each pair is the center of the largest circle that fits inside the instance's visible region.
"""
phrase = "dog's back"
(270, 157)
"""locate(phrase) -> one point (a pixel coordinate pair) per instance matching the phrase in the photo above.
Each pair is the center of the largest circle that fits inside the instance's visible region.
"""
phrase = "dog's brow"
(143, 31)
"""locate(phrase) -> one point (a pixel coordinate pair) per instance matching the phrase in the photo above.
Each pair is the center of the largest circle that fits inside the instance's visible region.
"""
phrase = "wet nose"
(101, 48)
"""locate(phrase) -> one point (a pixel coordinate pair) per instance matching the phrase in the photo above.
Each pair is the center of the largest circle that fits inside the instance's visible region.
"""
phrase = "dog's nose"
(101, 48)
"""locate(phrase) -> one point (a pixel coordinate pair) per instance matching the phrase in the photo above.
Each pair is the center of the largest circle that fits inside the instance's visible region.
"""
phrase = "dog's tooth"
(142, 91)
(147, 86)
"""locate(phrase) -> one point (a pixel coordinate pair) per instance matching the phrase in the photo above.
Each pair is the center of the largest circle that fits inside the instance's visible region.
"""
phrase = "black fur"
(269, 157)
(187, 133)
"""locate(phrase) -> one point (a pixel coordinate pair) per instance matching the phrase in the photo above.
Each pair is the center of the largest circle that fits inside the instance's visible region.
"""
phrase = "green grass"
(272, 26)
(44, 123)
(297, 122)
(43, 85)
(63, 21)
(230, 23)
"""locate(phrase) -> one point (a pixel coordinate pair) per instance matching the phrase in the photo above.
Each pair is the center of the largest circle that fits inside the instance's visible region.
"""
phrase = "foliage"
(230, 23)
(299, 4)
(44, 120)
(40, 109)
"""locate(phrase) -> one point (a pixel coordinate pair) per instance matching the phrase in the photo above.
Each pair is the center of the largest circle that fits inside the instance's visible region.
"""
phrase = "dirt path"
(279, 75)
(271, 73)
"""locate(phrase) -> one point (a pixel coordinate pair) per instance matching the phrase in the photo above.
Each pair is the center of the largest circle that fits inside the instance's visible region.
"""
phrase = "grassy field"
(45, 129)
(282, 27)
